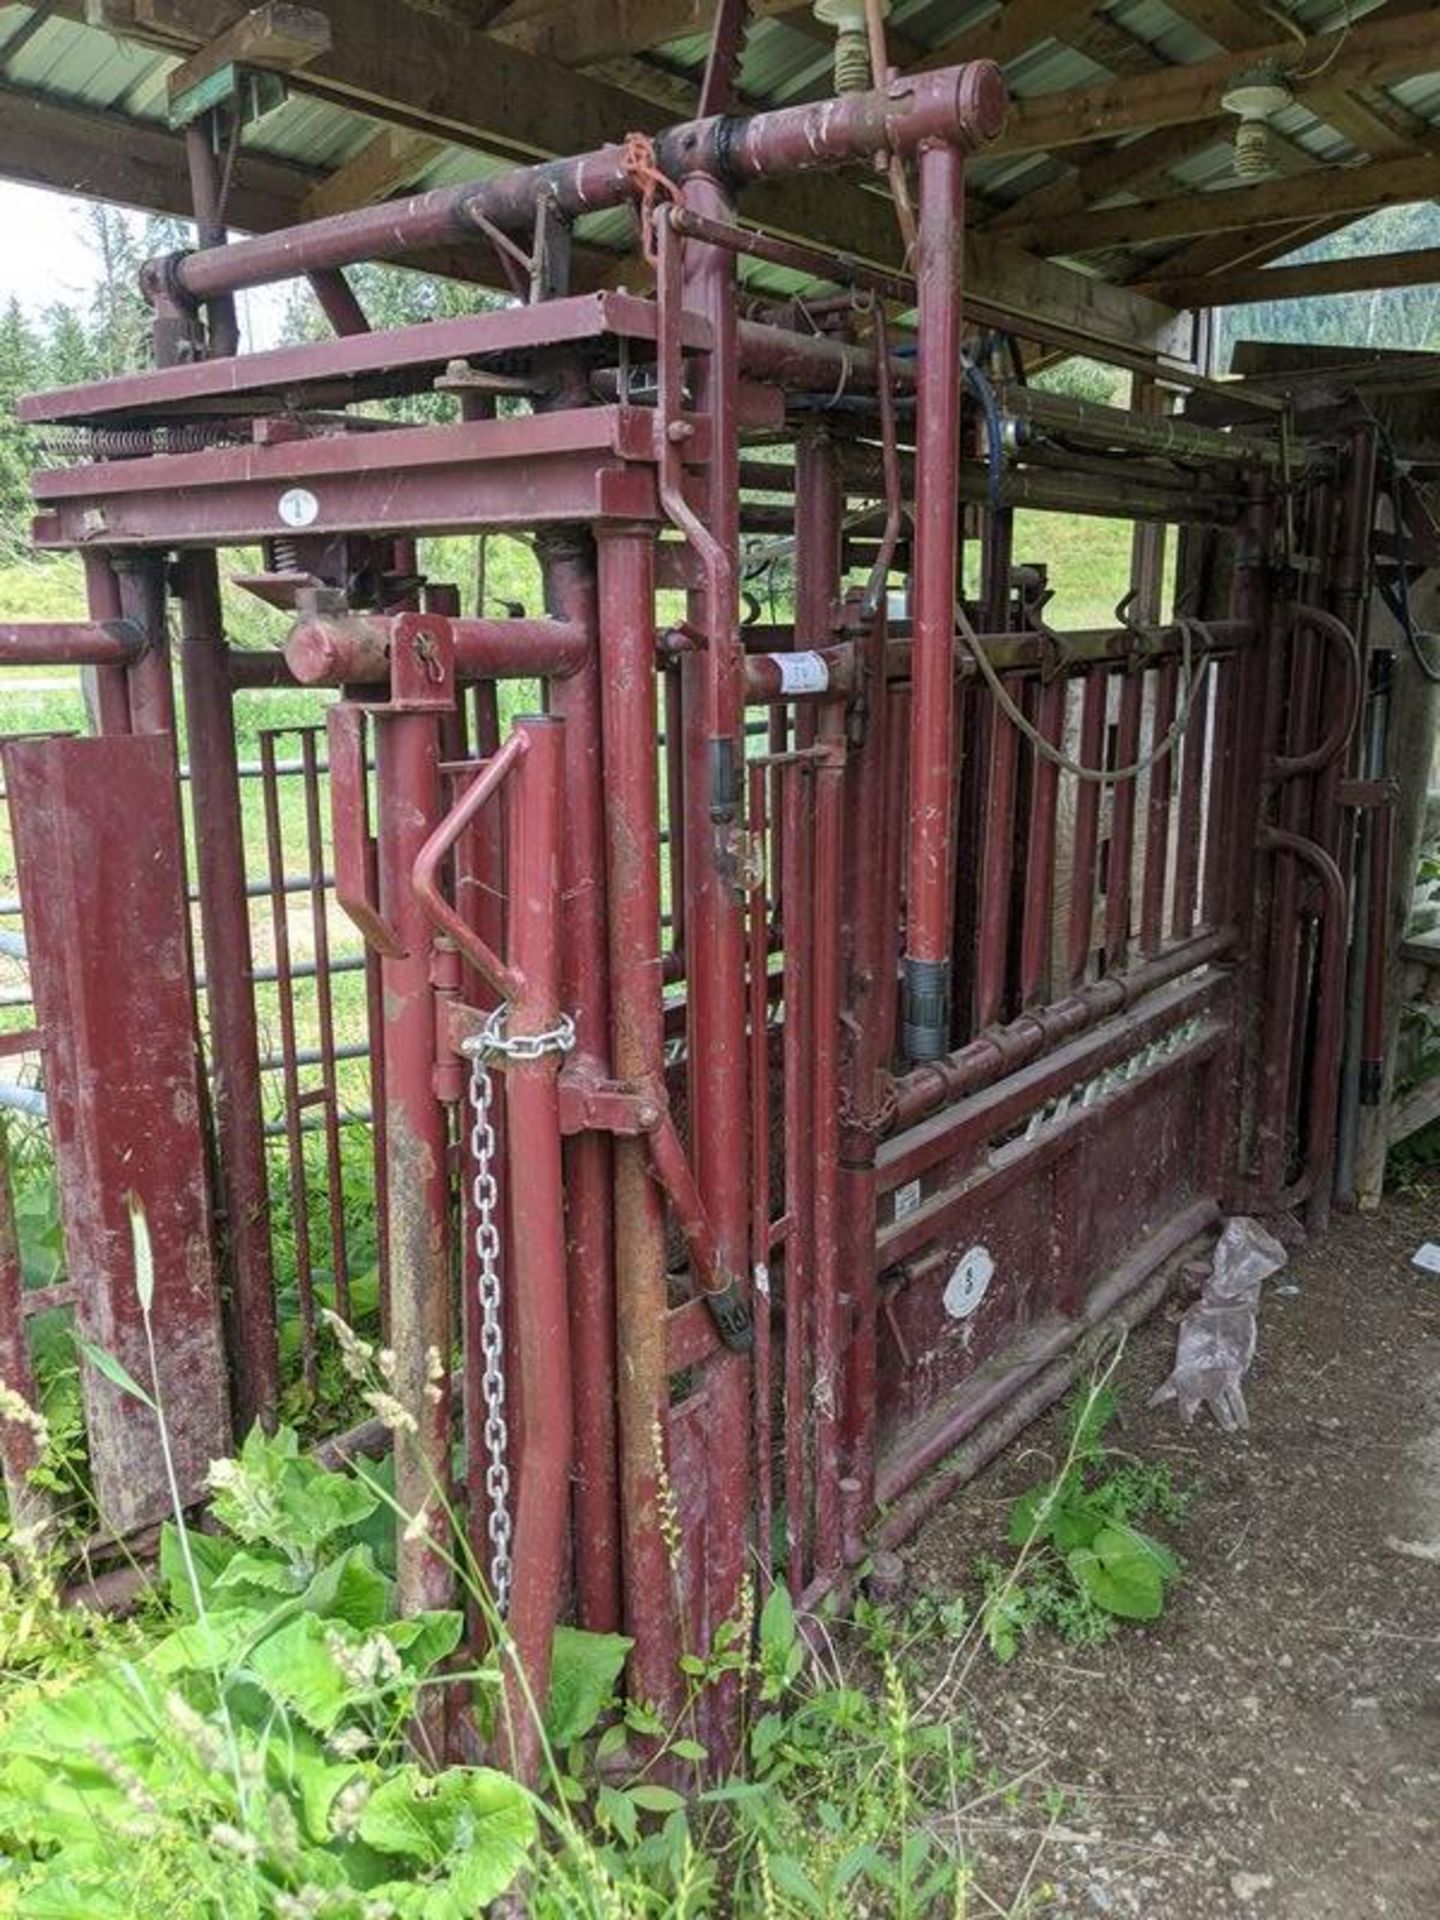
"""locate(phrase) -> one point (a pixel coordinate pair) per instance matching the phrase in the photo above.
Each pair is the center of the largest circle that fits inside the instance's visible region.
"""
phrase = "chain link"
(493, 1047)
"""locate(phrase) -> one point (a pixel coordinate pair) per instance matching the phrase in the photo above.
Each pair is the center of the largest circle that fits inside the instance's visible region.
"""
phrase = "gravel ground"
(1270, 1750)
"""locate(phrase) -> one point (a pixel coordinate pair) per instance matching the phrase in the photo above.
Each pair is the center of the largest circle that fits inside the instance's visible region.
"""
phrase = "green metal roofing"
(51, 56)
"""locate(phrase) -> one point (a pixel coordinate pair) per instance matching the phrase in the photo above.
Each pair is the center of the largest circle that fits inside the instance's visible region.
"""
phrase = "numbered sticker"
(969, 1282)
(802, 672)
(298, 507)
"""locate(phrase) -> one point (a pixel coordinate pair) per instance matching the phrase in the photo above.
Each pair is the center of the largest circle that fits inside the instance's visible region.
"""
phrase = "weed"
(1084, 1563)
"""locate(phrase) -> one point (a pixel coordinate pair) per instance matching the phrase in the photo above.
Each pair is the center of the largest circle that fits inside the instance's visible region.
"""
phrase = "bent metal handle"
(506, 981)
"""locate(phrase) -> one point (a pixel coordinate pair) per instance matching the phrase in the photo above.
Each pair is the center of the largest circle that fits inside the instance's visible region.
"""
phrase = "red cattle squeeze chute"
(782, 1059)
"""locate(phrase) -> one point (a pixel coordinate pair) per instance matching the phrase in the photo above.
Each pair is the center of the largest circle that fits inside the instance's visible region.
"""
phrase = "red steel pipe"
(637, 1039)
(569, 567)
(220, 875)
(940, 276)
(534, 822)
(964, 106)
(712, 700)
(417, 1135)
(354, 649)
(69, 643)
(111, 684)
(819, 504)
(927, 1088)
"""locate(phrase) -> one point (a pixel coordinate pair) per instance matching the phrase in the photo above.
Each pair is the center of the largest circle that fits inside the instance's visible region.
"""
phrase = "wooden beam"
(1364, 274)
(1226, 253)
(142, 165)
(1351, 190)
(1377, 128)
(1369, 54)
(277, 35)
(579, 35)
(424, 72)
(392, 159)
(1011, 30)
(1034, 289)
(134, 163)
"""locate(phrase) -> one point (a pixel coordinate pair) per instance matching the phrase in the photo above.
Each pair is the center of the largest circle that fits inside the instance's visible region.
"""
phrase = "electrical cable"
(1397, 597)
(1099, 776)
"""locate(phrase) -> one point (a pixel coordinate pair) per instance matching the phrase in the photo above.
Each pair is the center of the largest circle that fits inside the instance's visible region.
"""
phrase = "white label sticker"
(969, 1282)
(907, 1199)
(298, 507)
(802, 672)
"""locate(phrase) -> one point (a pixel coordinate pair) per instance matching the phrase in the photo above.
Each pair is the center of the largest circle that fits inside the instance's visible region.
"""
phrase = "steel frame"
(904, 1061)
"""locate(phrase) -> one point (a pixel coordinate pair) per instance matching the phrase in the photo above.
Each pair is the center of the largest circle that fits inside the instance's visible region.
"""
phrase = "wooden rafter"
(135, 163)
(577, 36)
(392, 158)
(1219, 255)
(1373, 125)
(1348, 190)
(427, 76)
(1363, 274)
(1371, 53)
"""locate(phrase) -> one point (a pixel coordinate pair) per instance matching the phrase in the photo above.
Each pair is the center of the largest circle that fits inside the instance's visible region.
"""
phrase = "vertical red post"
(1094, 704)
(871, 926)
(714, 918)
(939, 274)
(569, 564)
(637, 1040)
(108, 687)
(819, 504)
(417, 1138)
(538, 1260)
(243, 1186)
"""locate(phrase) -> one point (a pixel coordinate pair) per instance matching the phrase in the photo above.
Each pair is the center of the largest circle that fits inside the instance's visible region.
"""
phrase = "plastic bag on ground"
(1217, 1336)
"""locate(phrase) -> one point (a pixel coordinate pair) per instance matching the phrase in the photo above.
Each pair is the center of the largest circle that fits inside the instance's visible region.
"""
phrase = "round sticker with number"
(298, 507)
(969, 1282)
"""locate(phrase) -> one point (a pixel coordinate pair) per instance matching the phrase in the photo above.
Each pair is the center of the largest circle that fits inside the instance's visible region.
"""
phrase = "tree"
(20, 361)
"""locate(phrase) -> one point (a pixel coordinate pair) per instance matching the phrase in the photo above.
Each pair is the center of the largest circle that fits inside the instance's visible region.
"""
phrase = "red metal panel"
(102, 877)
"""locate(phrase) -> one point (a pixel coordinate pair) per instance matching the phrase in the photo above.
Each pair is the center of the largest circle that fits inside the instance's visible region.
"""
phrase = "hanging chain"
(493, 1048)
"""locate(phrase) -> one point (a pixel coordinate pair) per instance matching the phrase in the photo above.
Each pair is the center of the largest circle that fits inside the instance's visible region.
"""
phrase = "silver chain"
(490, 1046)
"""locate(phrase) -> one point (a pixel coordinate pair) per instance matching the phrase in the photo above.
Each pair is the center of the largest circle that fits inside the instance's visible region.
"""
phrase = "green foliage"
(1084, 1562)
(252, 1758)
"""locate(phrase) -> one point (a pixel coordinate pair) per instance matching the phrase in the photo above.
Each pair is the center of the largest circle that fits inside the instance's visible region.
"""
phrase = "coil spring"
(132, 443)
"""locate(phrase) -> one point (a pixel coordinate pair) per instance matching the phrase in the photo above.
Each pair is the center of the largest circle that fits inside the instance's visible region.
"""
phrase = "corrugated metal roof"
(69, 61)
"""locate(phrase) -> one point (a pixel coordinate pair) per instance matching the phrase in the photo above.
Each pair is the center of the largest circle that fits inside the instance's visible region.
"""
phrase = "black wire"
(1397, 599)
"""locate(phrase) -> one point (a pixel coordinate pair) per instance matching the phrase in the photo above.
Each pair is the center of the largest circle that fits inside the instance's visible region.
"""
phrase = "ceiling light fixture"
(852, 41)
(1256, 96)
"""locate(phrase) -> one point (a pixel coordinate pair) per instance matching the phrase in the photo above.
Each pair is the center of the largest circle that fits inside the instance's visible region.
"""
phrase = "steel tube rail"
(354, 649)
(70, 643)
(637, 1040)
(819, 504)
(111, 684)
(937, 1083)
(1094, 424)
(229, 981)
(713, 719)
(939, 271)
(569, 565)
(417, 1134)
(1004, 1407)
(1324, 1074)
(961, 105)
(537, 1239)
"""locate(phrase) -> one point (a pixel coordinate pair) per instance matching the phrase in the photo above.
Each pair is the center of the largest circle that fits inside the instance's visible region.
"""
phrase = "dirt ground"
(1270, 1749)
